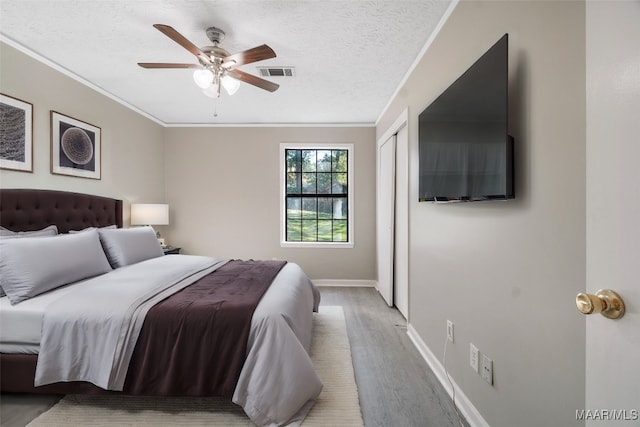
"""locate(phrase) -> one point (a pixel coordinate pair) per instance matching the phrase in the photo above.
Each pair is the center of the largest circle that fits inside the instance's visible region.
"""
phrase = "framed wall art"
(16, 134)
(75, 147)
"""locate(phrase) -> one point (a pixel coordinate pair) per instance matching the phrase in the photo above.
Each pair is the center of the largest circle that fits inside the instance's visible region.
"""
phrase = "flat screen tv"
(466, 153)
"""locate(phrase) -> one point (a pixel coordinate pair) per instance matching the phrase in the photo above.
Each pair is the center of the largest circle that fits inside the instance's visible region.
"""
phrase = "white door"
(385, 221)
(613, 209)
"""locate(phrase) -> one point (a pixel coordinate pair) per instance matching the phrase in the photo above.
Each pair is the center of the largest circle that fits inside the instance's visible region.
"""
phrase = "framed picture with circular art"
(16, 134)
(75, 147)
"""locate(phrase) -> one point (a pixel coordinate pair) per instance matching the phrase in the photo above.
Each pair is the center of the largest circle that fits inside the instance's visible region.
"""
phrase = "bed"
(177, 338)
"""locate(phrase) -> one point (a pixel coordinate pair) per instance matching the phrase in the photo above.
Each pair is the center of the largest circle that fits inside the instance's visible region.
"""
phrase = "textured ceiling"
(349, 55)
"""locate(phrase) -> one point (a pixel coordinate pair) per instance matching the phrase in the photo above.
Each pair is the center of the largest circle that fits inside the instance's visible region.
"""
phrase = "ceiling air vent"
(277, 71)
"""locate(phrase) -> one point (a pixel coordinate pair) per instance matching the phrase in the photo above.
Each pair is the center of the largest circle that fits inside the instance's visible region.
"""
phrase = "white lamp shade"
(230, 84)
(203, 78)
(149, 214)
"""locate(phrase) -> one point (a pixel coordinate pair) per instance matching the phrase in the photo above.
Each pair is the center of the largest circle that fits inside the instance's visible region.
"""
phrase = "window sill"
(317, 245)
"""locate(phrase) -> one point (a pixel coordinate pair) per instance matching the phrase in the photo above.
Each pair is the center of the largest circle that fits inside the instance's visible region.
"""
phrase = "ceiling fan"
(217, 67)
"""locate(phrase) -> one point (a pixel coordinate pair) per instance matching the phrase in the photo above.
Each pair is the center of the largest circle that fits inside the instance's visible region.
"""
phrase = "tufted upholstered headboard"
(32, 209)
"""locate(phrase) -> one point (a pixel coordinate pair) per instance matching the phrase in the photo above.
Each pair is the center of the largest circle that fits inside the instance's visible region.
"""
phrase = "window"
(316, 198)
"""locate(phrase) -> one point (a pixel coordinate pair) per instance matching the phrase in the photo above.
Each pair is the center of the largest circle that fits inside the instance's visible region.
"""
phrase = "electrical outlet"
(450, 330)
(487, 369)
(473, 357)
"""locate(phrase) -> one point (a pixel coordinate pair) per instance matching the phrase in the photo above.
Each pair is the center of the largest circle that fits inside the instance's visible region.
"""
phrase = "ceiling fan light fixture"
(216, 63)
(230, 84)
(203, 78)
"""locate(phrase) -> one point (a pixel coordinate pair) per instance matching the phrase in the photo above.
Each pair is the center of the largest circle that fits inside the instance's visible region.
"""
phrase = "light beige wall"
(506, 273)
(132, 145)
(199, 161)
(223, 188)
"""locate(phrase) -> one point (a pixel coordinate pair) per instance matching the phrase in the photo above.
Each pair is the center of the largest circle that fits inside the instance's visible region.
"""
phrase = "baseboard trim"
(463, 403)
(345, 283)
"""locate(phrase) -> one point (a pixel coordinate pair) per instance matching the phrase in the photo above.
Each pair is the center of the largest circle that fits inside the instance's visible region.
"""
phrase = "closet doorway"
(392, 219)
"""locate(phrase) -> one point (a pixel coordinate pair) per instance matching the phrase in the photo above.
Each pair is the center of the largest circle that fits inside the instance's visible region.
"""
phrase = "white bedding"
(21, 324)
(90, 334)
(278, 383)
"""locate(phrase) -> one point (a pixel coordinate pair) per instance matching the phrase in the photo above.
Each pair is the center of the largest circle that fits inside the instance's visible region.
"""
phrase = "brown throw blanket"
(194, 343)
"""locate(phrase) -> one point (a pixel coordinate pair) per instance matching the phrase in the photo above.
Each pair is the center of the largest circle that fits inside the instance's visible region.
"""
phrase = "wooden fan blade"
(253, 80)
(181, 40)
(252, 55)
(167, 65)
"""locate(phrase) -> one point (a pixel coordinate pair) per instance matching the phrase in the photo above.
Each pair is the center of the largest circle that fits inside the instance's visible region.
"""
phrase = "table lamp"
(150, 214)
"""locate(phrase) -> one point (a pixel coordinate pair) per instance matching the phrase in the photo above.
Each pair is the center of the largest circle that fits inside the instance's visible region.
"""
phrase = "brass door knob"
(605, 301)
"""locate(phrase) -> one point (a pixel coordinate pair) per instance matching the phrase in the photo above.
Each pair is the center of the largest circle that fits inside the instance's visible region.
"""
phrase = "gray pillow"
(126, 246)
(29, 267)
(93, 228)
(5, 233)
(51, 230)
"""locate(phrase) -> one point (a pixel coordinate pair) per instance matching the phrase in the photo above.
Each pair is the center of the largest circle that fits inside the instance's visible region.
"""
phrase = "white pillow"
(51, 230)
(126, 246)
(29, 267)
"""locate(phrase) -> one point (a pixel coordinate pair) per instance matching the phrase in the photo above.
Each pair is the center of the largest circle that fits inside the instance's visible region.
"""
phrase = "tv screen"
(466, 153)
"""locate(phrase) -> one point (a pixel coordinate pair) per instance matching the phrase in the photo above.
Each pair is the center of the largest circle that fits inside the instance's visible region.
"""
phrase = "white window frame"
(350, 194)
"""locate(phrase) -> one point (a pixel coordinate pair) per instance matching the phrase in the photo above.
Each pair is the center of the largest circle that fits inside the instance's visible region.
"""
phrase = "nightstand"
(170, 250)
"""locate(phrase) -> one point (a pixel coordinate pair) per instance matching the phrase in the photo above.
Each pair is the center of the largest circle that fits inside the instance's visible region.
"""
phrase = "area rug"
(338, 404)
